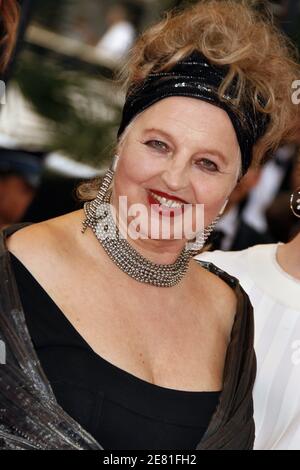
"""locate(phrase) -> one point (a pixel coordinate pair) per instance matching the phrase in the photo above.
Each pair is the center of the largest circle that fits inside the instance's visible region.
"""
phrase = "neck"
(288, 256)
(158, 251)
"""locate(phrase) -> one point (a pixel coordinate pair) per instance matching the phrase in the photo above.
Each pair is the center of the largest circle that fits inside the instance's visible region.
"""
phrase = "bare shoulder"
(220, 297)
(39, 241)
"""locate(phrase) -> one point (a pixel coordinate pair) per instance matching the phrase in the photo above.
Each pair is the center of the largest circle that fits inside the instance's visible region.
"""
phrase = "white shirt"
(275, 296)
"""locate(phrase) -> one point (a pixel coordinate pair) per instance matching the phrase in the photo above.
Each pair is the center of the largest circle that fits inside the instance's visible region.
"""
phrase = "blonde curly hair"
(239, 33)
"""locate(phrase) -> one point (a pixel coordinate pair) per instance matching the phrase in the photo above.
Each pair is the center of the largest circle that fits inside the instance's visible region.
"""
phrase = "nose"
(176, 175)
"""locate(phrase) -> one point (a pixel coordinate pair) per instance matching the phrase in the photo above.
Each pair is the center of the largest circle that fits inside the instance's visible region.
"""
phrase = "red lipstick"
(163, 210)
(168, 196)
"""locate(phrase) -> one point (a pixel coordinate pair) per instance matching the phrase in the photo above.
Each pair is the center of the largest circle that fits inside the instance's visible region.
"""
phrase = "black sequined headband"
(196, 77)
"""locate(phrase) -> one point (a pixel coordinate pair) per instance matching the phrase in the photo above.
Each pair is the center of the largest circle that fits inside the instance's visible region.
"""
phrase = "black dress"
(120, 410)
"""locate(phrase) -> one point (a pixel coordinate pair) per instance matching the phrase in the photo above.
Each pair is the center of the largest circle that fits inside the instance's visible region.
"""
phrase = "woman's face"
(183, 147)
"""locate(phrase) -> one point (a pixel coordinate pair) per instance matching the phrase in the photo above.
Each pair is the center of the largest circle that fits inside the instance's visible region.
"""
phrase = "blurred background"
(61, 108)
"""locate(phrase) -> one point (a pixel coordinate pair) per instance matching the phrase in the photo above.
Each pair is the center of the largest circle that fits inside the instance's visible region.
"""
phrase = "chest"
(173, 341)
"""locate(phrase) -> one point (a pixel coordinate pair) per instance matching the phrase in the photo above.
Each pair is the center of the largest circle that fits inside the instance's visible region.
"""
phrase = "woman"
(270, 274)
(129, 338)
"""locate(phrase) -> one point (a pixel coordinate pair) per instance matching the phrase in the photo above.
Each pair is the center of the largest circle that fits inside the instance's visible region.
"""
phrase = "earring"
(94, 205)
(200, 242)
(295, 202)
(223, 207)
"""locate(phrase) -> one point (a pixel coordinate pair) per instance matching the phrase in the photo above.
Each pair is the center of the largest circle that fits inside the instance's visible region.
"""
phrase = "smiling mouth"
(165, 202)
(166, 198)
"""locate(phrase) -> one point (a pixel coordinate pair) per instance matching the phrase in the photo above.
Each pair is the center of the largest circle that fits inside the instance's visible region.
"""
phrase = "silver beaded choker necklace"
(99, 217)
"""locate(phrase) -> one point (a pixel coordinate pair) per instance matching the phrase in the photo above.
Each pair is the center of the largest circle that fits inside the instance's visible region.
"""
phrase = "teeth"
(166, 202)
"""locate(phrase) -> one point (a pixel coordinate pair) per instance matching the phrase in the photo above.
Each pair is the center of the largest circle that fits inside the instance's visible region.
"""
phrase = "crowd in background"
(258, 210)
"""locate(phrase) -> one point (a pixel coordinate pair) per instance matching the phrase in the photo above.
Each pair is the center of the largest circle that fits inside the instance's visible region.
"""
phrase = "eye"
(157, 144)
(208, 165)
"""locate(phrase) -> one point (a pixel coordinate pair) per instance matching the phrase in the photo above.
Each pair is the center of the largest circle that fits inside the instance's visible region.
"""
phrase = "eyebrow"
(203, 149)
